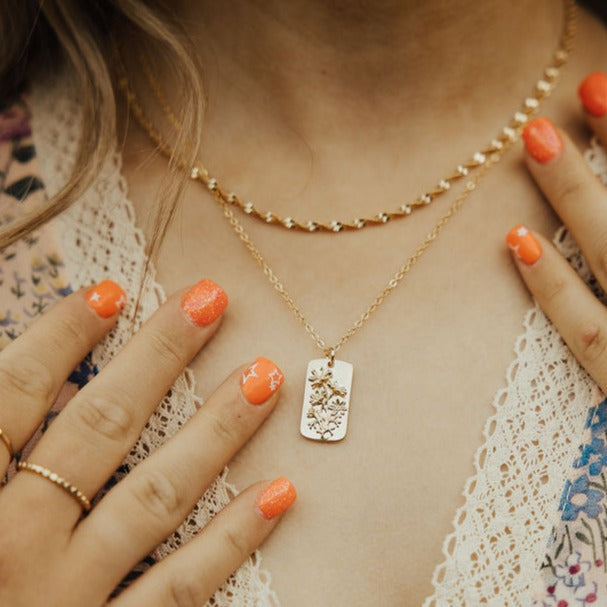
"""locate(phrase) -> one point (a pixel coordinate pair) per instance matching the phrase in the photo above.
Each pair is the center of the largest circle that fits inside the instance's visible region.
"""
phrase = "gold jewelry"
(327, 392)
(507, 135)
(7, 443)
(84, 502)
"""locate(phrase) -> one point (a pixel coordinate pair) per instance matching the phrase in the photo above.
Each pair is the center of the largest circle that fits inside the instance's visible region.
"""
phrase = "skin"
(323, 138)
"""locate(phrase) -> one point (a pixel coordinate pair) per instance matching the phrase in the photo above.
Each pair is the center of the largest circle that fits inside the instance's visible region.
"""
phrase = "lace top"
(533, 528)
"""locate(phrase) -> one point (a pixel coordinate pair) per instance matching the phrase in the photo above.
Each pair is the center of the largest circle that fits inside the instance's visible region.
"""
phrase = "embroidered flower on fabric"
(579, 497)
(593, 455)
(597, 419)
(541, 594)
(586, 594)
(572, 572)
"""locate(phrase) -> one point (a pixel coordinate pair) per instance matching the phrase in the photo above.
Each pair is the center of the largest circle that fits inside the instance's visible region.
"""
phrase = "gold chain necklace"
(326, 404)
(506, 136)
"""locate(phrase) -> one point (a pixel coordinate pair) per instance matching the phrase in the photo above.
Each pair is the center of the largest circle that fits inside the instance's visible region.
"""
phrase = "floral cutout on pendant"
(327, 402)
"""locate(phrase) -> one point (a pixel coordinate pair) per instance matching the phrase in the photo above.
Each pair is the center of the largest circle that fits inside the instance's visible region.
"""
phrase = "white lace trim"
(100, 239)
(500, 533)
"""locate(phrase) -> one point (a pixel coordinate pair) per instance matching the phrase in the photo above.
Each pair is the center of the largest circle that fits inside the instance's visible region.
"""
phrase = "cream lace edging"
(499, 533)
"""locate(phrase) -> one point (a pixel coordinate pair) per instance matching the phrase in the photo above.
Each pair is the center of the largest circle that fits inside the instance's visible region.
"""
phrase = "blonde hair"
(45, 35)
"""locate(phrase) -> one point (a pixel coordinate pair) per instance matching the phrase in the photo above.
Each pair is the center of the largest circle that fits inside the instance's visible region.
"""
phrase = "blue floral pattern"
(593, 455)
(574, 571)
(578, 496)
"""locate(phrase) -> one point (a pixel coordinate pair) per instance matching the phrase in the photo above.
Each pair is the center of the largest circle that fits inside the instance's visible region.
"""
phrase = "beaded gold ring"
(74, 492)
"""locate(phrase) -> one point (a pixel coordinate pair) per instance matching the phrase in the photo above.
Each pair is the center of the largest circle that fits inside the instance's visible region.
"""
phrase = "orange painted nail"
(277, 498)
(204, 302)
(106, 298)
(593, 93)
(260, 380)
(542, 140)
(524, 244)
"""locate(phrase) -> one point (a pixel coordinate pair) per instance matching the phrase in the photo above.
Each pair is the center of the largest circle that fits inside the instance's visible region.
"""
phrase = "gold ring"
(7, 443)
(61, 482)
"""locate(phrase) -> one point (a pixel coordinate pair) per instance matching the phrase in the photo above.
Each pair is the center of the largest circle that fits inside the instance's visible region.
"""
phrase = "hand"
(581, 201)
(49, 554)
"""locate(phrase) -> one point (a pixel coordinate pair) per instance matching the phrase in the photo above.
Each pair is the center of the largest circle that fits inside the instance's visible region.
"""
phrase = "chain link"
(390, 286)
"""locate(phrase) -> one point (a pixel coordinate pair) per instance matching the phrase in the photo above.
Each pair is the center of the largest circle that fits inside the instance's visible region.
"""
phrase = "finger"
(156, 496)
(35, 366)
(572, 189)
(95, 431)
(193, 573)
(577, 314)
(593, 93)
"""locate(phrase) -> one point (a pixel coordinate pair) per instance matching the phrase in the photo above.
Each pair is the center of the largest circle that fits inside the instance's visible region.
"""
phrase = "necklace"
(326, 402)
(508, 134)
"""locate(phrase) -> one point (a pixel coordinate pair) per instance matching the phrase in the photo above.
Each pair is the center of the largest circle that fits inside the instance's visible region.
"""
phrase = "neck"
(310, 101)
(322, 65)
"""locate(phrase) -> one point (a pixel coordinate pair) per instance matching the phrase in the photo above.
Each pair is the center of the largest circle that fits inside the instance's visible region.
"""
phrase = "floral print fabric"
(574, 571)
(32, 276)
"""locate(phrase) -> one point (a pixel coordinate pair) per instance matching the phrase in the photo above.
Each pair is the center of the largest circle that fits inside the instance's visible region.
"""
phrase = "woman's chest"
(375, 508)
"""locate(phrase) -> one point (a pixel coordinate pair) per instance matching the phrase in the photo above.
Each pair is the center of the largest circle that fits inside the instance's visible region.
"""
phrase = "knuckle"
(182, 592)
(158, 496)
(105, 416)
(551, 288)
(166, 348)
(29, 378)
(594, 343)
(74, 330)
(236, 542)
(571, 189)
(223, 430)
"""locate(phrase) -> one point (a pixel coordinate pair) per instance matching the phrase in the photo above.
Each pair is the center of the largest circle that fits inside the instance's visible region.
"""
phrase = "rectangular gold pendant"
(326, 405)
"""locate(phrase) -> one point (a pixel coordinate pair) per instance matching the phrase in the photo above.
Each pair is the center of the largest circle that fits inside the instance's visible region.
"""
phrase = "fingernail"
(277, 498)
(260, 380)
(204, 302)
(542, 140)
(593, 93)
(106, 298)
(524, 244)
